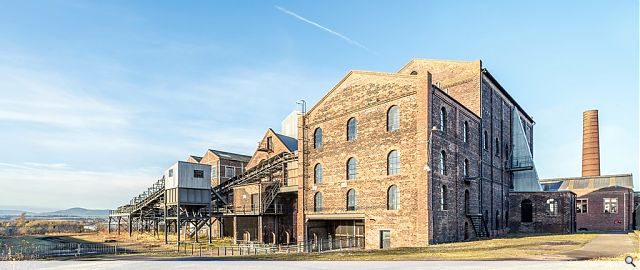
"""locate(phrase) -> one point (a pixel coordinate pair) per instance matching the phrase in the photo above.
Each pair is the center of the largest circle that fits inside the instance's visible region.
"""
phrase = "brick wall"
(367, 96)
(597, 220)
(542, 222)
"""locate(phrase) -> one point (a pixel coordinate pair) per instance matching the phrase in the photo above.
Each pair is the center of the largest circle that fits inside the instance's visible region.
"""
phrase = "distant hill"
(71, 212)
(77, 212)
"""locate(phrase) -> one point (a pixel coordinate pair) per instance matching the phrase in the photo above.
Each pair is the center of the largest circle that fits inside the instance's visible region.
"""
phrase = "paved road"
(604, 245)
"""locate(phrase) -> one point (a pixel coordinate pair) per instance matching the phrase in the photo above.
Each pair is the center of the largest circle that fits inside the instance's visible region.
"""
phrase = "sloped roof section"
(231, 156)
(196, 158)
(587, 184)
(289, 142)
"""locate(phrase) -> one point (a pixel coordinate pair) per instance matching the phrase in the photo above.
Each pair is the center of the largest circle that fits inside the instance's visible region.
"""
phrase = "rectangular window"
(229, 171)
(269, 143)
(214, 172)
(198, 174)
(581, 205)
(170, 172)
(611, 205)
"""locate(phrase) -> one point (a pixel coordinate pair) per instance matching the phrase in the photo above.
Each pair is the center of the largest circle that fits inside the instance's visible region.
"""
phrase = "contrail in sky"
(347, 39)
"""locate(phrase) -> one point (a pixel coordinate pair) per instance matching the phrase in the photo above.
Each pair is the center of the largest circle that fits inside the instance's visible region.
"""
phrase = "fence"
(61, 250)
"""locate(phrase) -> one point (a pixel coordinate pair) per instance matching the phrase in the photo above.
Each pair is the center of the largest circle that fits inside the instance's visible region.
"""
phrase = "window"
(443, 198)
(611, 205)
(393, 118)
(351, 200)
(526, 211)
(214, 171)
(317, 202)
(485, 145)
(497, 150)
(465, 131)
(506, 150)
(393, 198)
(581, 205)
(552, 207)
(352, 129)
(317, 174)
(198, 174)
(443, 163)
(465, 168)
(317, 138)
(170, 172)
(413, 73)
(443, 120)
(351, 169)
(393, 163)
(229, 172)
(269, 143)
(497, 220)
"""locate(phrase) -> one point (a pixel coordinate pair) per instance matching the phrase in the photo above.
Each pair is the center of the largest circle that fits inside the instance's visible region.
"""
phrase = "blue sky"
(99, 96)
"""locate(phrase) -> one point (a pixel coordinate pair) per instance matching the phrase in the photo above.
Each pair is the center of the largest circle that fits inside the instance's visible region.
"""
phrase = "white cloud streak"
(347, 39)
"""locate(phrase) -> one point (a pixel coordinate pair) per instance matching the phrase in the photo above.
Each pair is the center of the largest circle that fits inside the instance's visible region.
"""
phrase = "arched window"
(485, 138)
(465, 168)
(352, 129)
(466, 202)
(317, 138)
(443, 119)
(552, 207)
(465, 131)
(352, 203)
(317, 174)
(317, 202)
(393, 198)
(443, 163)
(443, 198)
(351, 169)
(497, 150)
(393, 118)
(526, 211)
(413, 72)
(393, 163)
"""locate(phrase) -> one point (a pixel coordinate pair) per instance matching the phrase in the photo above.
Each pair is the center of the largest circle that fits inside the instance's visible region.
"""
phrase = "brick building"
(420, 156)
(603, 203)
(542, 212)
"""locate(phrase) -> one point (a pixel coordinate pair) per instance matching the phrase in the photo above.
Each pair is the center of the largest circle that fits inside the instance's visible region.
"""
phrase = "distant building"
(603, 203)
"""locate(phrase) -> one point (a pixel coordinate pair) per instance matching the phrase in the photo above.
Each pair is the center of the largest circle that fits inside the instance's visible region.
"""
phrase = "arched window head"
(497, 146)
(443, 198)
(317, 202)
(485, 139)
(414, 72)
(443, 119)
(351, 168)
(393, 118)
(317, 174)
(465, 168)
(352, 129)
(465, 131)
(352, 203)
(317, 138)
(393, 163)
(393, 198)
(443, 163)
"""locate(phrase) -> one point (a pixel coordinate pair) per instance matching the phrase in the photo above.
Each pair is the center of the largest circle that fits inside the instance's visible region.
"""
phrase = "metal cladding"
(590, 144)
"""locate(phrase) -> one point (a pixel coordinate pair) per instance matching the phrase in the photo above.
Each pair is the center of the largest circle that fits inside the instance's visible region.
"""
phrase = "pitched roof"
(588, 184)
(289, 142)
(196, 158)
(231, 156)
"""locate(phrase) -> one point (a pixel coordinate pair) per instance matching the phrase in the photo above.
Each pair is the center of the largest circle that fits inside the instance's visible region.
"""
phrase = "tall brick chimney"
(590, 144)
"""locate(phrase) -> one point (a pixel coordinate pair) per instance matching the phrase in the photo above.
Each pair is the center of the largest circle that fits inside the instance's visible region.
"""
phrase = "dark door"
(385, 239)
